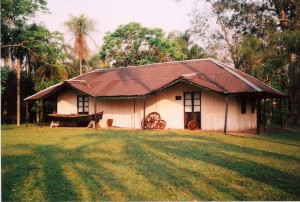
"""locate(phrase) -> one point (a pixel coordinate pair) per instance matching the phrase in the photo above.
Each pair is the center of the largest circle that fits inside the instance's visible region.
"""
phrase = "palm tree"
(80, 27)
(188, 47)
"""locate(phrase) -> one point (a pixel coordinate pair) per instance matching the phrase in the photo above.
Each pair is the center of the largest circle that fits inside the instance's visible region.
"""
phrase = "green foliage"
(16, 12)
(9, 95)
(80, 26)
(95, 63)
(4, 75)
(14, 16)
(262, 39)
(45, 84)
(270, 59)
(38, 50)
(133, 44)
(63, 164)
(44, 52)
(42, 43)
(188, 48)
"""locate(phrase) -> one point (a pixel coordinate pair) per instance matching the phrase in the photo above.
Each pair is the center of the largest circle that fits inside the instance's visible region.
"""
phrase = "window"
(83, 104)
(243, 105)
(192, 102)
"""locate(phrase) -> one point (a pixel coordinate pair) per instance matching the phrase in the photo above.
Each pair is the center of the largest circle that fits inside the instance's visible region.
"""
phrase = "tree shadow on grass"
(75, 174)
(213, 154)
(85, 182)
(285, 136)
(161, 172)
(8, 127)
(53, 185)
(14, 170)
(57, 185)
(210, 141)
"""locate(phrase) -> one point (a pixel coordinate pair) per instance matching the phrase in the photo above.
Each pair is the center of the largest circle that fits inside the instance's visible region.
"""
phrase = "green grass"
(81, 164)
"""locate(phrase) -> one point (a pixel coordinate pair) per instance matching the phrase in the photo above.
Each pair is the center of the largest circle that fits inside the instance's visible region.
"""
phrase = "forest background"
(261, 38)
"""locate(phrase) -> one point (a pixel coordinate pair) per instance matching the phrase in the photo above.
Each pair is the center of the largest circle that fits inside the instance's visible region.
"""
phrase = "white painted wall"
(67, 102)
(213, 113)
(128, 113)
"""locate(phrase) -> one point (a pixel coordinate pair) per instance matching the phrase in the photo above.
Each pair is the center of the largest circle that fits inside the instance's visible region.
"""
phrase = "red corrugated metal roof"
(142, 80)
(45, 92)
(82, 86)
(201, 81)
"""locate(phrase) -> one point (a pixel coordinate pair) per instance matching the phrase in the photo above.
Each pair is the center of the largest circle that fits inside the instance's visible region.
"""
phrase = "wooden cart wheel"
(152, 120)
(161, 124)
(148, 121)
(142, 124)
(192, 125)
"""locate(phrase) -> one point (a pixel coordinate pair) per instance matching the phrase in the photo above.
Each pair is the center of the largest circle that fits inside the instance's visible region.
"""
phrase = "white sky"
(169, 15)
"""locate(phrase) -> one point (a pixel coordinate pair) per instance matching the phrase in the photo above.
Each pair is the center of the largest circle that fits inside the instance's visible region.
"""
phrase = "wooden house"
(216, 96)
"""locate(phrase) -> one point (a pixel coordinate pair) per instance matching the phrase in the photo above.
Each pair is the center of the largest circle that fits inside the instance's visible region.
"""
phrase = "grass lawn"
(79, 164)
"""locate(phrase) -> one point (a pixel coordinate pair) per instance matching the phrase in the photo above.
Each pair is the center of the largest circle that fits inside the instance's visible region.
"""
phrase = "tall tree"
(13, 17)
(257, 35)
(133, 44)
(80, 27)
(38, 52)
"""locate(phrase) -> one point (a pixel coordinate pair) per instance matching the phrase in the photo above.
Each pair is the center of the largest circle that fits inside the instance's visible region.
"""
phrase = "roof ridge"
(205, 78)
(73, 80)
(225, 67)
(146, 65)
(171, 62)
(85, 82)
(88, 85)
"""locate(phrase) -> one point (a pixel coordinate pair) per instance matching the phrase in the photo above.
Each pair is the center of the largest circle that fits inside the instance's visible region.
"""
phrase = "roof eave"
(59, 85)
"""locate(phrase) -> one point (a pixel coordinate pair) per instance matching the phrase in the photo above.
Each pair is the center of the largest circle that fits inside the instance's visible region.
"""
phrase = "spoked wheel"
(142, 124)
(192, 125)
(152, 120)
(161, 124)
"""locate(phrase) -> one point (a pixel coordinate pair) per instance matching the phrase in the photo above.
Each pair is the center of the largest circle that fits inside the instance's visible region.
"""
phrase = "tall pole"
(27, 114)
(258, 111)
(272, 113)
(133, 113)
(280, 113)
(144, 114)
(285, 111)
(80, 63)
(18, 92)
(95, 111)
(42, 114)
(265, 116)
(226, 113)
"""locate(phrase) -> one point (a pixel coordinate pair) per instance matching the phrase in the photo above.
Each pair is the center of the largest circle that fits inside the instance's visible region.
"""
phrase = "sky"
(170, 15)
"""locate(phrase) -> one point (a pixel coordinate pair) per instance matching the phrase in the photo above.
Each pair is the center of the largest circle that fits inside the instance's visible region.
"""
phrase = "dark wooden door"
(192, 108)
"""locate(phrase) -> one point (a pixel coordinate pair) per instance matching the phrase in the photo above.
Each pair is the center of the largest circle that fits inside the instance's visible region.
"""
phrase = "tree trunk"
(18, 92)
(80, 64)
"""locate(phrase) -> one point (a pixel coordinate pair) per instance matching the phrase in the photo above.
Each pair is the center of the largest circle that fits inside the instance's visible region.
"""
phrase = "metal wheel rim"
(192, 125)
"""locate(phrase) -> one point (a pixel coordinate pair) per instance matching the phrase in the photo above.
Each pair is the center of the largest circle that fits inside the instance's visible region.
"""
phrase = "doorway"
(192, 110)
